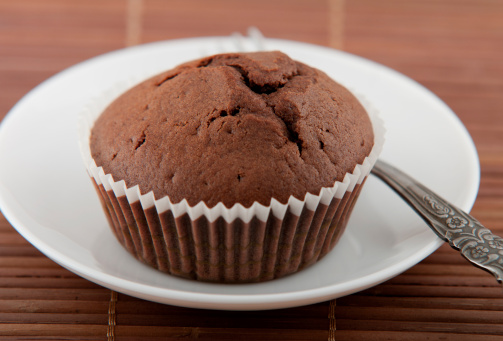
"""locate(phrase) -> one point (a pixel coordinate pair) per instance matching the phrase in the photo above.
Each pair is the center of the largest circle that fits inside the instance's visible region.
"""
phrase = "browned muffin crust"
(233, 128)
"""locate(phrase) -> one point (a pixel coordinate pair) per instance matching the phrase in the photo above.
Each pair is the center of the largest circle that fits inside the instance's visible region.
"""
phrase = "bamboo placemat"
(453, 47)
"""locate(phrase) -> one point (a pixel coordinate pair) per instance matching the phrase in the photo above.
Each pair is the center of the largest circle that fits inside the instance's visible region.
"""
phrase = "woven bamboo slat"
(453, 47)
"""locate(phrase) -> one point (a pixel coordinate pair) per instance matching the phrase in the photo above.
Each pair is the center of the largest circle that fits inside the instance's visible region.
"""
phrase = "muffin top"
(233, 128)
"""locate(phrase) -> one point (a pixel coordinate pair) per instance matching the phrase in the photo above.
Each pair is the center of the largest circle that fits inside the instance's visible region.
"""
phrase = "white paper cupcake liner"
(222, 244)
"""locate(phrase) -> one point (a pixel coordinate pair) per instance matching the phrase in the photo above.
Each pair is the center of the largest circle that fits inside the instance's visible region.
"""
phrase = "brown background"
(453, 47)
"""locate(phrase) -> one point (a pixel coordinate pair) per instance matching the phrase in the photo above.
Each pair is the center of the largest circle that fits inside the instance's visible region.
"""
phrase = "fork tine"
(239, 42)
(255, 41)
(257, 38)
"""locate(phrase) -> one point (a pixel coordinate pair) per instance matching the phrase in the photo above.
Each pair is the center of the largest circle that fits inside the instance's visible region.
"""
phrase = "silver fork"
(462, 231)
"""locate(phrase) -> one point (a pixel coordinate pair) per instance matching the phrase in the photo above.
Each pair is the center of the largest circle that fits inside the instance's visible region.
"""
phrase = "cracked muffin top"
(233, 128)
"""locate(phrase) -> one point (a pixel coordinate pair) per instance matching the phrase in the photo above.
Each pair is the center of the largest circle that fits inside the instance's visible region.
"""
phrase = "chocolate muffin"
(249, 130)
(234, 128)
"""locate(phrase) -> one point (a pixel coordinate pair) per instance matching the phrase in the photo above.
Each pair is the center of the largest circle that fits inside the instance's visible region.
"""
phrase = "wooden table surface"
(453, 47)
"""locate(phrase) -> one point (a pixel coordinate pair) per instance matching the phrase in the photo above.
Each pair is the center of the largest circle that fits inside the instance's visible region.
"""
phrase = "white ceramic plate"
(46, 194)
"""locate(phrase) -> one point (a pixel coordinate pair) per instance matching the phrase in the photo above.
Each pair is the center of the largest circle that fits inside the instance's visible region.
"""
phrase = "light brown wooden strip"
(412, 326)
(35, 272)
(133, 22)
(85, 294)
(132, 305)
(65, 338)
(415, 314)
(435, 291)
(446, 280)
(52, 318)
(51, 330)
(53, 306)
(112, 317)
(447, 269)
(216, 320)
(54, 282)
(495, 304)
(180, 19)
(332, 329)
(256, 333)
(12, 238)
(358, 335)
(5, 226)
(15, 262)
(336, 20)
(14, 250)
(450, 257)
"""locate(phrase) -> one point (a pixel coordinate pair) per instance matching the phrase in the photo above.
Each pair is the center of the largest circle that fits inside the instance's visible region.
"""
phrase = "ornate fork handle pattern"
(463, 232)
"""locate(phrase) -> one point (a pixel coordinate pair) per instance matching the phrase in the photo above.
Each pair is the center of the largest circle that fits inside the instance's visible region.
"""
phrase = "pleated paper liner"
(219, 244)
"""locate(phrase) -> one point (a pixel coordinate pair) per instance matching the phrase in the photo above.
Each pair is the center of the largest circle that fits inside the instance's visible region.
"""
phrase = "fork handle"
(463, 232)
